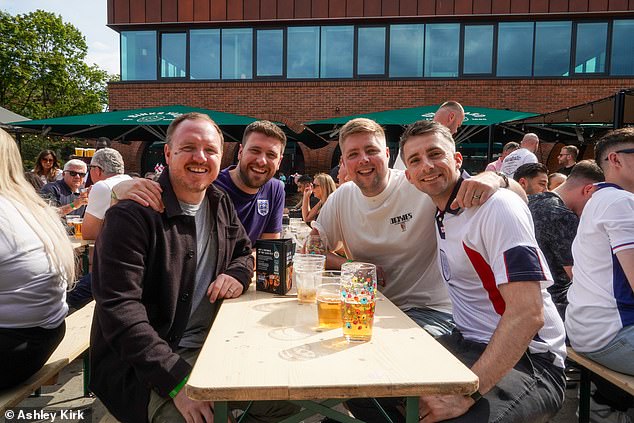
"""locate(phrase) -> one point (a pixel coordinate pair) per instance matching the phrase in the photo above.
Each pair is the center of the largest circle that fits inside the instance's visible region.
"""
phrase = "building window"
(515, 45)
(269, 52)
(303, 52)
(337, 51)
(406, 50)
(442, 49)
(371, 51)
(237, 53)
(204, 54)
(622, 58)
(173, 54)
(138, 55)
(591, 47)
(478, 50)
(552, 48)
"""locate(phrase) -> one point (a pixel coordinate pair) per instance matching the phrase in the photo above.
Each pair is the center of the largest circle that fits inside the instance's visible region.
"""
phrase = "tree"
(42, 68)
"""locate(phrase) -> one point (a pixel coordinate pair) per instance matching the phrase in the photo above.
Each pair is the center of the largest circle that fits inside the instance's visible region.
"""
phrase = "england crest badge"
(263, 207)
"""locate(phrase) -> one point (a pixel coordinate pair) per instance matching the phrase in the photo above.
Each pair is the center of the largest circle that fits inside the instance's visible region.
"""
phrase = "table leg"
(221, 411)
(411, 410)
(584, 396)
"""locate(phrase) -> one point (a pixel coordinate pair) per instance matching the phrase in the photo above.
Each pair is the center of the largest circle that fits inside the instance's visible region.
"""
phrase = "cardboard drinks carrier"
(274, 265)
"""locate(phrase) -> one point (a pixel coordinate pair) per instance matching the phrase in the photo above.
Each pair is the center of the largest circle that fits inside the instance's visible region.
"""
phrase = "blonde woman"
(37, 263)
(322, 187)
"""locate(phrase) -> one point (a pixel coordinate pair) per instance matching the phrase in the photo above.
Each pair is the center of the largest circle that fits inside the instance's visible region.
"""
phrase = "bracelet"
(72, 205)
(178, 387)
(504, 178)
(476, 396)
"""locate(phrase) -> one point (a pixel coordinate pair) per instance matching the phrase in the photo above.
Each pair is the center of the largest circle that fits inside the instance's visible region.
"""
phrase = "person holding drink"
(65, 193)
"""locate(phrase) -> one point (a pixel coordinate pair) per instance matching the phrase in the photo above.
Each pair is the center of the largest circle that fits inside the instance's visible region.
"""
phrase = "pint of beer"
(77, 225)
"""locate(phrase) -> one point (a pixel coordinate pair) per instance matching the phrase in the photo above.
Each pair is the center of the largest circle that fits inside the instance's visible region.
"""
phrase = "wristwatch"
(504, 178)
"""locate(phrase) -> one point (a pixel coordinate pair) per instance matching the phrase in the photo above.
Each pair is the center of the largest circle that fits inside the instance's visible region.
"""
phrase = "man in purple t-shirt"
(257, 196)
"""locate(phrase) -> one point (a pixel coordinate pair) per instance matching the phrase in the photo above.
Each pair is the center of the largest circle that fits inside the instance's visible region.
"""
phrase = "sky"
(89, 16)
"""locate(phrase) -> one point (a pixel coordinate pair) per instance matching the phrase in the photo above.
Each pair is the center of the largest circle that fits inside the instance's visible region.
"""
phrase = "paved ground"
(67, 395)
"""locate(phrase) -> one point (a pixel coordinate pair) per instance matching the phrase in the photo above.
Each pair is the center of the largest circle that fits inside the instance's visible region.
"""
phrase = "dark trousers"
(533, 391)
(24, 351)
(81, 294)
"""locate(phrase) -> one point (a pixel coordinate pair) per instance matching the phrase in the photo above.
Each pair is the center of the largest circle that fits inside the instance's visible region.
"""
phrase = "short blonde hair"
(361, 126)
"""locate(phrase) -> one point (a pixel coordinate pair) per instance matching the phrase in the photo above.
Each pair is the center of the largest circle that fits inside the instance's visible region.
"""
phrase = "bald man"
(525, 154)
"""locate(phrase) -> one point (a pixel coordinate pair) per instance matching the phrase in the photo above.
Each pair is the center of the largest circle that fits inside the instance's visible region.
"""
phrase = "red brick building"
(313, 59)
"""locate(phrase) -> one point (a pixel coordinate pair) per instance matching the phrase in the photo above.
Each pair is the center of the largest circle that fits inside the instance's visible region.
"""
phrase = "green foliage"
(42, 68)
(31, 145)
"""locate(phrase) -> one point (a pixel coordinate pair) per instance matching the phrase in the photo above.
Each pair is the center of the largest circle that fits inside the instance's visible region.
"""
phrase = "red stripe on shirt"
(485, 274)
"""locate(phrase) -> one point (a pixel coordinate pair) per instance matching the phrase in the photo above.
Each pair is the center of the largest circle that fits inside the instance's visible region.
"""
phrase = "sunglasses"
(73, 173)
(48, 160)
(624, 151)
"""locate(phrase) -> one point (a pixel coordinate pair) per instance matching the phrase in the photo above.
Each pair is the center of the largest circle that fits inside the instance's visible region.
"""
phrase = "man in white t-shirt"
(600, 314)
(508, 330)
(106, 171)
(525, 154)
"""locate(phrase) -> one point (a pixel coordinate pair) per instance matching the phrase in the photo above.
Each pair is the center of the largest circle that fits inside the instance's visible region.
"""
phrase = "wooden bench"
(588, 367)
(75, 343)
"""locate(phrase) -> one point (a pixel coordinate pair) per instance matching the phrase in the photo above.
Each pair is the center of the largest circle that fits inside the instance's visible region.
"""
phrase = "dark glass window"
(138, 55)
(237, 53)
(173, 55)
(302, 56)
(204, 54)
(552, 48)
(337, 51)
(478, 49)
(622, 58)
(406, 50)
(442, 49)
(270, 52)
(515, 47)
(371, 51)
(590, 51)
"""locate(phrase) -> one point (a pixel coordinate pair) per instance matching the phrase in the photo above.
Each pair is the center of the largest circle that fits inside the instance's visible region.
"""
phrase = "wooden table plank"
(263, 347)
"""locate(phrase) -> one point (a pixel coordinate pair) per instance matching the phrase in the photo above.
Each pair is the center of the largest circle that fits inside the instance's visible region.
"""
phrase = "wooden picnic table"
(266, 347)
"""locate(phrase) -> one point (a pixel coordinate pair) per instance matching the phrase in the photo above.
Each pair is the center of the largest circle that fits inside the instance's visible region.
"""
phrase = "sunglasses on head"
(73, 173)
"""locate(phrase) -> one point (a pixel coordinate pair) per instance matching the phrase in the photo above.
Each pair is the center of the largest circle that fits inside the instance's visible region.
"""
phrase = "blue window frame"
(478, 50)
(337, 51)
(622, 58)
(591, 47)
(552, 48)
(138, 55)
(442, 50)
(515, 43)
(302, 54)
(204, 54)
(270, 52)
(371, 50)
(406, 50)
(237, 53)
(173, 55)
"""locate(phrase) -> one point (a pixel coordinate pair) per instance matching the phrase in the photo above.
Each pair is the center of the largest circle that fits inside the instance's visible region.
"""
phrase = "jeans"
(436, 323)
(618, 355)
(81, 294)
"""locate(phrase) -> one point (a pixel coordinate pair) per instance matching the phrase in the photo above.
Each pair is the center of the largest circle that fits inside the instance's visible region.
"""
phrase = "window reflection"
(204, 54)
(406, 50)
(270, 50)
(515, 42)
(303, 52)
(173, 55)
(337, 48)
(237, 53)
(371, 51)
(478, 49)
(552, 48)
(138, 55)
(590, 50)
(442, 45)
(622, 58)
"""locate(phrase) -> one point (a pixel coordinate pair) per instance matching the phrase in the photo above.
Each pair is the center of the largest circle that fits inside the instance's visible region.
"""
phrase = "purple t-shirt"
(259, 213)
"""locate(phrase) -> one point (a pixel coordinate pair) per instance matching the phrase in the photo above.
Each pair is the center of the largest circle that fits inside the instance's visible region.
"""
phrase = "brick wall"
(302, 101)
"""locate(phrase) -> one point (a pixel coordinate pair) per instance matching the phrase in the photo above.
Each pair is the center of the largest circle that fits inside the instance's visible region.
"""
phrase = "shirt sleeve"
(49, 193)
(98, 200)
(618, 221)
(274, 224)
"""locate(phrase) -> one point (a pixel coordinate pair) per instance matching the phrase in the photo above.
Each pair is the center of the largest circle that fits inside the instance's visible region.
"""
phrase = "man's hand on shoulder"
(143, 191)
(194, 411)
(224, 286)
(476, 190)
